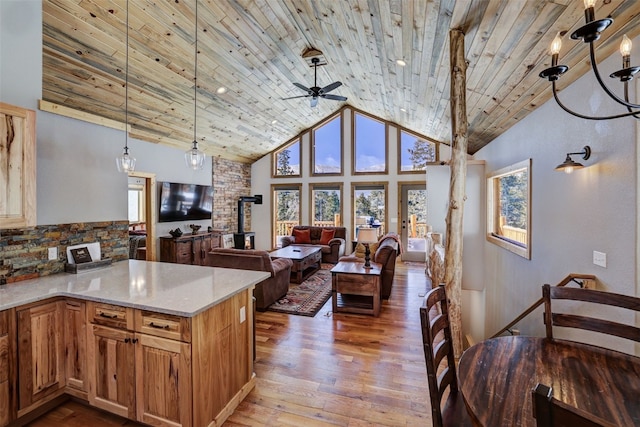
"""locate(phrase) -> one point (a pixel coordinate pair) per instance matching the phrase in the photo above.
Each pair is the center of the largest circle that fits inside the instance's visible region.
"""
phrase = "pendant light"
(194, 158)
(126, 163)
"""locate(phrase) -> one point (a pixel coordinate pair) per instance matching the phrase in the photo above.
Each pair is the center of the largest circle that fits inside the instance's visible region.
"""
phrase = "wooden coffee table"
(306, 260)
(356, 289)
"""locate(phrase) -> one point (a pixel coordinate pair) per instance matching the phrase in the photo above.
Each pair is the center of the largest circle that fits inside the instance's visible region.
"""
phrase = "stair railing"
(583, 280)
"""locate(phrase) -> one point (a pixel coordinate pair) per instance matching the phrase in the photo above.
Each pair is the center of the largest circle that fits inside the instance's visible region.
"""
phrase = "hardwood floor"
(330, 370)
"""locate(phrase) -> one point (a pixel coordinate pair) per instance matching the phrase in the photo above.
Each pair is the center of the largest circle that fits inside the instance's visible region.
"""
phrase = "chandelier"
(126, 163)
(589, 33)
(194, 158)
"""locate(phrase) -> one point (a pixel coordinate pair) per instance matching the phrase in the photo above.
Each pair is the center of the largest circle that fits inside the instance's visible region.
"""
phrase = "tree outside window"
(286, 210)
(326, 205)
(416, 152)
(370, 207)
(287, 161)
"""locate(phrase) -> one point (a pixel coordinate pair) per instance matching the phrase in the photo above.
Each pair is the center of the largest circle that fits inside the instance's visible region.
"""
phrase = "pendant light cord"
(195, 85)
(126, 89)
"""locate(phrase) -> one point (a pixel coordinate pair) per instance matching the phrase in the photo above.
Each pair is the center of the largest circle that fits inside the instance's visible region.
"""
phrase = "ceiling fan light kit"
(315, 91)
(589, 33)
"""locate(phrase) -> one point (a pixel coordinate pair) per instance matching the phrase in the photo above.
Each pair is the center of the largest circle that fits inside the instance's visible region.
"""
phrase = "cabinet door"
(5, 409)
(40, 353)
(75, 346)
(184, 252)
(163, 381)
(111, 370)
(202, 247)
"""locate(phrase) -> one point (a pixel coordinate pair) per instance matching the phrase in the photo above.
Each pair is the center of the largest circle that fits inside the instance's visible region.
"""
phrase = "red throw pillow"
(326, 236)
(302, 236)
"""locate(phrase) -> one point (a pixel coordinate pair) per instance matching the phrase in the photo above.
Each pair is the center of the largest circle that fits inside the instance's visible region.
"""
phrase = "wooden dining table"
(496, 377)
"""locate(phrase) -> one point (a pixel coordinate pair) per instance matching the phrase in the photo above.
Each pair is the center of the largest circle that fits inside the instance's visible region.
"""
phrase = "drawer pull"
(127, 340)
(153, 325)
(108, 316)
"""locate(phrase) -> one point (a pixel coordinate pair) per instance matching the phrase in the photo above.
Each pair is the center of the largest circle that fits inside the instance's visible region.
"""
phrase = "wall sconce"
(569, 165)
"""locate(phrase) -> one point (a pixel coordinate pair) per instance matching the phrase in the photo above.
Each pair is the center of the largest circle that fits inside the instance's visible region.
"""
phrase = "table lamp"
(366, 236)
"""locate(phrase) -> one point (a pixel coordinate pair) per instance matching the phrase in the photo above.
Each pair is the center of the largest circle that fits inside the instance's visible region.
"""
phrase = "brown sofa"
(269, 290)
(385, 254)
(331, 251)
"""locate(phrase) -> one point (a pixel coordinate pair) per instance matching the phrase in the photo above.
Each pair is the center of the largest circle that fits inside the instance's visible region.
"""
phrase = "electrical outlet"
(243, 314)
(53, 253)
(600, 258)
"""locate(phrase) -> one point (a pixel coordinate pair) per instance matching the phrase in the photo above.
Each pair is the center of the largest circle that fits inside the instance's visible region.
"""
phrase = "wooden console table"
(356, 289)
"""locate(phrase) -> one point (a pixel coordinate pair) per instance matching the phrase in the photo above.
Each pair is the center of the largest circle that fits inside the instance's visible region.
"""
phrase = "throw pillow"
(360, 249)
(302, 236)
(326, 236)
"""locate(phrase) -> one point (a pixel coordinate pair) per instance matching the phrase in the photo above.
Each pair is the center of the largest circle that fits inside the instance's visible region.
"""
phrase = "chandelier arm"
(594, 66)
(582, 116)
(626, 97)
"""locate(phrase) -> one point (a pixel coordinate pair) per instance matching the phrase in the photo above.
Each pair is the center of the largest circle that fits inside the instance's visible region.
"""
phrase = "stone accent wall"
(231, 180)
(24, 251)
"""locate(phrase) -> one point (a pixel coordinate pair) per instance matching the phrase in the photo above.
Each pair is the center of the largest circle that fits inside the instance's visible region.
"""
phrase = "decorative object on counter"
(194, 228)
(210, 229)
(176, 233)
(85, 266)
(81, 255)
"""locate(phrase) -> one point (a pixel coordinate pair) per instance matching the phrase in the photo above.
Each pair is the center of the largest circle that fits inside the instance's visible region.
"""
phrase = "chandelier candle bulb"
(625, 51)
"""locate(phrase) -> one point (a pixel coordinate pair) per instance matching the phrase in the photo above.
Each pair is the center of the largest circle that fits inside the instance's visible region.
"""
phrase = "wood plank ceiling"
(253, 48)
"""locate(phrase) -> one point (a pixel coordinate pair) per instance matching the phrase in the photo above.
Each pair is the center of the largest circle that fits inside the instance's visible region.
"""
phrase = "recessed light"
(221, 90)
(400, 62)
(404, 110)
(274, 122)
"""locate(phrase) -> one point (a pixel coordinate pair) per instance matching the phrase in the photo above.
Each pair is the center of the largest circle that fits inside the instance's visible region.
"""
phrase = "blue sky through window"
(370, 145)
(327, 147)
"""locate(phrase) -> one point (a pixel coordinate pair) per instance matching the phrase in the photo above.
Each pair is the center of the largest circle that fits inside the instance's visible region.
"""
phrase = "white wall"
(261, 184)
(595, 208)
(77, 180)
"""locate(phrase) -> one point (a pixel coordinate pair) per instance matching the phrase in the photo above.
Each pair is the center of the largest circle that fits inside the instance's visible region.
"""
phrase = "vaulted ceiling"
(254, 50)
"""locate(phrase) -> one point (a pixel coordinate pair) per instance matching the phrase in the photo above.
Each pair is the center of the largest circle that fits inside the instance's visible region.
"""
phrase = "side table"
(356, 289)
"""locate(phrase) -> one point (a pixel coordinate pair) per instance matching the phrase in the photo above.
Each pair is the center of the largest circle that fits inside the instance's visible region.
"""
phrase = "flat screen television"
(184, 202)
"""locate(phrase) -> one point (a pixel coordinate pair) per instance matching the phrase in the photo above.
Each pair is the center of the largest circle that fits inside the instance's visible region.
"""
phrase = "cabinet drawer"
(110, 315)
(356, 284)
(163, 325)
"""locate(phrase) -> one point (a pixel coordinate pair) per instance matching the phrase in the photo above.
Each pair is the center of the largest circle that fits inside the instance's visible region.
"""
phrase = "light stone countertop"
(183, 290)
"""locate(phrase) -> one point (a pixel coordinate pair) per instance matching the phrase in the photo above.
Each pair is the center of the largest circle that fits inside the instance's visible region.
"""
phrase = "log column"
(459, 143)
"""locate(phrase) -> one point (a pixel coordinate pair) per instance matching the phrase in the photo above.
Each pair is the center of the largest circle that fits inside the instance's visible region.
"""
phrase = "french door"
(413, 214)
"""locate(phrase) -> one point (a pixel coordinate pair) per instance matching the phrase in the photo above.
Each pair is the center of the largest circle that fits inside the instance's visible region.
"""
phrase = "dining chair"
(438, 346)
(551, 412)
(589, 323)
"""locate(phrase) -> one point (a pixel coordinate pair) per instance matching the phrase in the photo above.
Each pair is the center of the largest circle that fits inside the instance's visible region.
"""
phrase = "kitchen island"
(161, 343)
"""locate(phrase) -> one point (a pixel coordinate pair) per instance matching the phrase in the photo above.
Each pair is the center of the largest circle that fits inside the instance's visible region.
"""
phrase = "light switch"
(53, 253)
(243, 314)
(600, 258)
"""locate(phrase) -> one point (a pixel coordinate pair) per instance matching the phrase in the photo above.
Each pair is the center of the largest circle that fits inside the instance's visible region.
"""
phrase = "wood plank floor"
(329, 370)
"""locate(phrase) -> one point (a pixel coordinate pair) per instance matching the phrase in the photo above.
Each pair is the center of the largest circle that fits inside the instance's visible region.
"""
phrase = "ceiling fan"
(316, 92)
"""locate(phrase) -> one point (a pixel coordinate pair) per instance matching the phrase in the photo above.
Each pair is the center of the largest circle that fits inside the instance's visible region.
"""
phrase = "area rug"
(307, 298)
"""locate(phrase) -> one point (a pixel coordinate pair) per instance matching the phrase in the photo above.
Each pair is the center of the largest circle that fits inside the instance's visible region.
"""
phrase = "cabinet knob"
(135, 340)
(127, 340)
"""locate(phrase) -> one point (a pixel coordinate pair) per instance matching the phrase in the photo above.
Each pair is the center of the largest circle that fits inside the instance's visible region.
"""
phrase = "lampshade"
(367, 235)
(569, 165)
(194, 158)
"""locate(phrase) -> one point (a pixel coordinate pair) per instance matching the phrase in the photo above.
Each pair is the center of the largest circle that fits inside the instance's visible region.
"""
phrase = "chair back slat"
(608, 327)
(551, 412)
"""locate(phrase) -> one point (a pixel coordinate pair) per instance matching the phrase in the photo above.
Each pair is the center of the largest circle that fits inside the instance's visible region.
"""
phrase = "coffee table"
(356, 289)
(306, 260)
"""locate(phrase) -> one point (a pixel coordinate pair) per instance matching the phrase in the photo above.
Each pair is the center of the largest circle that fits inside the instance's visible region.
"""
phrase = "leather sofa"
(332, 249)
(385, 254)
(269, 290)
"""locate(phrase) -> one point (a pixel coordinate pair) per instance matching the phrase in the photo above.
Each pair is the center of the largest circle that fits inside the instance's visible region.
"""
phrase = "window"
(286, 161)
(326, 155)
(136, 202)
(326, 206)
(286, 210)
(369, 145)
(509, 208)
(416, 152)
(369, 207)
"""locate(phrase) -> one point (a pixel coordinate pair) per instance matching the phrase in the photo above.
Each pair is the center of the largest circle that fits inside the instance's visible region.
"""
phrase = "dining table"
(496, 378)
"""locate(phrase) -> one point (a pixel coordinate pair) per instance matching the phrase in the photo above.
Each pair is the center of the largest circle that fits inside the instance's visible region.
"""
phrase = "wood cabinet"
(75, 347)
(40, 354)
(188, 249)
(17, 167)
(6, 362)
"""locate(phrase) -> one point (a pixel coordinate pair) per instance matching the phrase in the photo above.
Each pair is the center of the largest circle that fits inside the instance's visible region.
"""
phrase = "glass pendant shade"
(194, 158)
(126, 163)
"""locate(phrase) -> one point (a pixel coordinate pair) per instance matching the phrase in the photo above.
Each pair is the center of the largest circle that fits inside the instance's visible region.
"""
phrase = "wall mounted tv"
(184, 202)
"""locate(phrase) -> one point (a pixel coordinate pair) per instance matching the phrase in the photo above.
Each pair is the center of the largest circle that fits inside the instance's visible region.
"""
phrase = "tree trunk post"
(457, 183)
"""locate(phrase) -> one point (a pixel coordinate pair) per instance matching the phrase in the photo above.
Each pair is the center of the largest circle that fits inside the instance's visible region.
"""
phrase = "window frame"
(354, 156)
(365, 186)
(274, 161)
(312, 139)
(325, 186)
(493, 199)
(140, 190)
(418, 136)
(275, 187)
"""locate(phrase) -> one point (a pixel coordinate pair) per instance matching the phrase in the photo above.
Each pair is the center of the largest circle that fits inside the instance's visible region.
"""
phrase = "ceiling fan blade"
(304, 88)
(293, 97)
(334, 97)
(328, 88)
(314, 101)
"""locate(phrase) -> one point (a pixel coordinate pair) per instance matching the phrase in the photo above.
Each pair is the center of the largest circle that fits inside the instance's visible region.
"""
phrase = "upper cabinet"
(17, 167)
